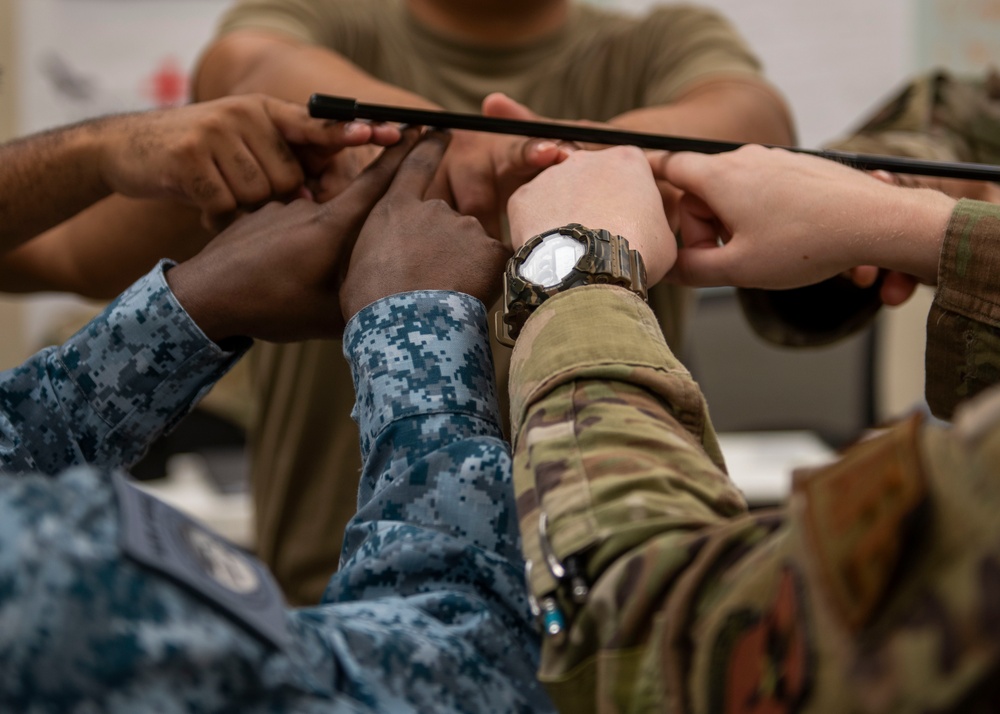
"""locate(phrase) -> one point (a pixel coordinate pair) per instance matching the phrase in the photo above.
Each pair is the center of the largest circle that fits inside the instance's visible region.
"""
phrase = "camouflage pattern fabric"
(937, 116)
(102, 397)
(874, 589)
(428, 612)
(966, 304)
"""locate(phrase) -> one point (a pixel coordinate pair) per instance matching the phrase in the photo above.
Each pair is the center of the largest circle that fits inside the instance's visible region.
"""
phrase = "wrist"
(911, 231)
(188, 284)
(561, 259)
(100, 143)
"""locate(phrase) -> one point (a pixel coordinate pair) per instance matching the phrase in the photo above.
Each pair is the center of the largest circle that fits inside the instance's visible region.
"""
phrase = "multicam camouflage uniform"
(875, 589)
(112, 602)
(937, 116)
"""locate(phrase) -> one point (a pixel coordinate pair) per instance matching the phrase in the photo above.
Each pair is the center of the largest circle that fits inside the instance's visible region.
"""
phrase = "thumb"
(531, 155)
(703, 267)
(686, 170)
(501, 106)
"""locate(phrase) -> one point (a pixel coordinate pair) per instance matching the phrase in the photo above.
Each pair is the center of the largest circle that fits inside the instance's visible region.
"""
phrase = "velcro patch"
(162, 538)
(859, 515)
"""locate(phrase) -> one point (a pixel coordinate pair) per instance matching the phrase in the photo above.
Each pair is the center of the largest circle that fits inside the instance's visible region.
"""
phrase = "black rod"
(324, 106)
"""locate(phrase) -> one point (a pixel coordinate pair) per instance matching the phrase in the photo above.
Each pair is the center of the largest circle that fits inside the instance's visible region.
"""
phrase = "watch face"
(552, 260)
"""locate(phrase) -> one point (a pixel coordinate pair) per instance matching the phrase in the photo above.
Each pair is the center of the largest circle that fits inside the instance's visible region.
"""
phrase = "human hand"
(523, 159)
(787, 220)
(611, 189)
(276, 274)
(480, 171)
(227, 155)
(412, 243)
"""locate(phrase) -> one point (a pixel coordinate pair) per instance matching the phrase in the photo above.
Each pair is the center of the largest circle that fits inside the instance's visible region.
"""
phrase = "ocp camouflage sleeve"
(428, 612)
(106, 394)
(873, 590)
(963, 327)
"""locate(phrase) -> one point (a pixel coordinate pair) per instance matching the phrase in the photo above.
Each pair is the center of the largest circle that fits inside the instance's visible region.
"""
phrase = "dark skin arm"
(432, 246)
(205, 163)
(277, 274)
(281, 274)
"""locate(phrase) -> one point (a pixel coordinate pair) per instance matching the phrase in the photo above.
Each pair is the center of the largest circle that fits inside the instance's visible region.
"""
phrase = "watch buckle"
(502, 329)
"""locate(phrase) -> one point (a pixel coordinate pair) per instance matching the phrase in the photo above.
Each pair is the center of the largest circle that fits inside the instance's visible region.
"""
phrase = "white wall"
(833, 59)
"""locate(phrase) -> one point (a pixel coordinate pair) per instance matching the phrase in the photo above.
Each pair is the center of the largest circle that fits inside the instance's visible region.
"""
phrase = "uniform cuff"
(420, 353)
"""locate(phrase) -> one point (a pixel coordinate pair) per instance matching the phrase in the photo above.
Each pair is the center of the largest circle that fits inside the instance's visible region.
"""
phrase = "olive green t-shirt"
(305, 453)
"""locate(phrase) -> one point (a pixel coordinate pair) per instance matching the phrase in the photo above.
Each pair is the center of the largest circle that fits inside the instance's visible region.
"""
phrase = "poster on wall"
(83, 58)
(960, 35)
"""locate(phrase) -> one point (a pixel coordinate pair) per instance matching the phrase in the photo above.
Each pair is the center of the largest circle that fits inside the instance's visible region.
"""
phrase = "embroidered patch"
(761, 661)
(859, 516)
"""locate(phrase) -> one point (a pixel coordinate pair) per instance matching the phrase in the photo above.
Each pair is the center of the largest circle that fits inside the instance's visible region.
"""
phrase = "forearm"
(626, 389)
(435, 534)
(102, 250)
(424, 386)
(49, 177)
(614, 446)
(247, 61)
(743, 109)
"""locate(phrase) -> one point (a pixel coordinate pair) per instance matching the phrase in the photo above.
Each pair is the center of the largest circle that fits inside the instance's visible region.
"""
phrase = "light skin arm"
(786, 220)
(281, 66)
(581, 189)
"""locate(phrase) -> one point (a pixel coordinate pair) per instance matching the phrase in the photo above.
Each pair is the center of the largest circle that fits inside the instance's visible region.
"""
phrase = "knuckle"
(204, 189)
(438, 204)
(382, 211)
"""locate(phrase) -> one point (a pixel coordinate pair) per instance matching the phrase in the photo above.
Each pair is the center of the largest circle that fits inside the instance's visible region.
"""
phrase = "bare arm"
(281, 66)
(206, 161)
(102, 250)
(744, 109)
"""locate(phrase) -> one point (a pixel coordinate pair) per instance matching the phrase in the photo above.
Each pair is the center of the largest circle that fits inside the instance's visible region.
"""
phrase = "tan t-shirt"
(601, 64)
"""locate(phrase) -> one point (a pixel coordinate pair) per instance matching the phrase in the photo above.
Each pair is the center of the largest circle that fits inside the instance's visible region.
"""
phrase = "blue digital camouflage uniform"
(876, 588)
(428, 612)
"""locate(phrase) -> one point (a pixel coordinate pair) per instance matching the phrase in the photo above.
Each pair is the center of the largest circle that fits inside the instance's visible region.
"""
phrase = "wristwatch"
(558, 260)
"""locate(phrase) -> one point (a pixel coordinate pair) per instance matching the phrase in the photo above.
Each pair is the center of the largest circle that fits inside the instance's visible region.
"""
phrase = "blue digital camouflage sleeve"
(427, 613)
(106, 394)
(431, 589)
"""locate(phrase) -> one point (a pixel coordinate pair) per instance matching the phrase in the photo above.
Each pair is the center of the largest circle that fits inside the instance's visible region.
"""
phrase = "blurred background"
(65, 60)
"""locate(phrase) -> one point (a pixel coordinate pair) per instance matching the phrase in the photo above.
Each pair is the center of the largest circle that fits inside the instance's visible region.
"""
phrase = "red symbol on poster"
(168, 85)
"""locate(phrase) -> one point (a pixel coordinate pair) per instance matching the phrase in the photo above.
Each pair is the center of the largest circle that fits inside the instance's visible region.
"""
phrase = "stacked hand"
(276, 274)
(413, 243)
(227, 155)
(613, 189)
(282, 274)
(768, 218)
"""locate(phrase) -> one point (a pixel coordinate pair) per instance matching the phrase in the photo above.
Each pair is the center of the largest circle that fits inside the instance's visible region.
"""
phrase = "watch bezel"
(607, 259)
